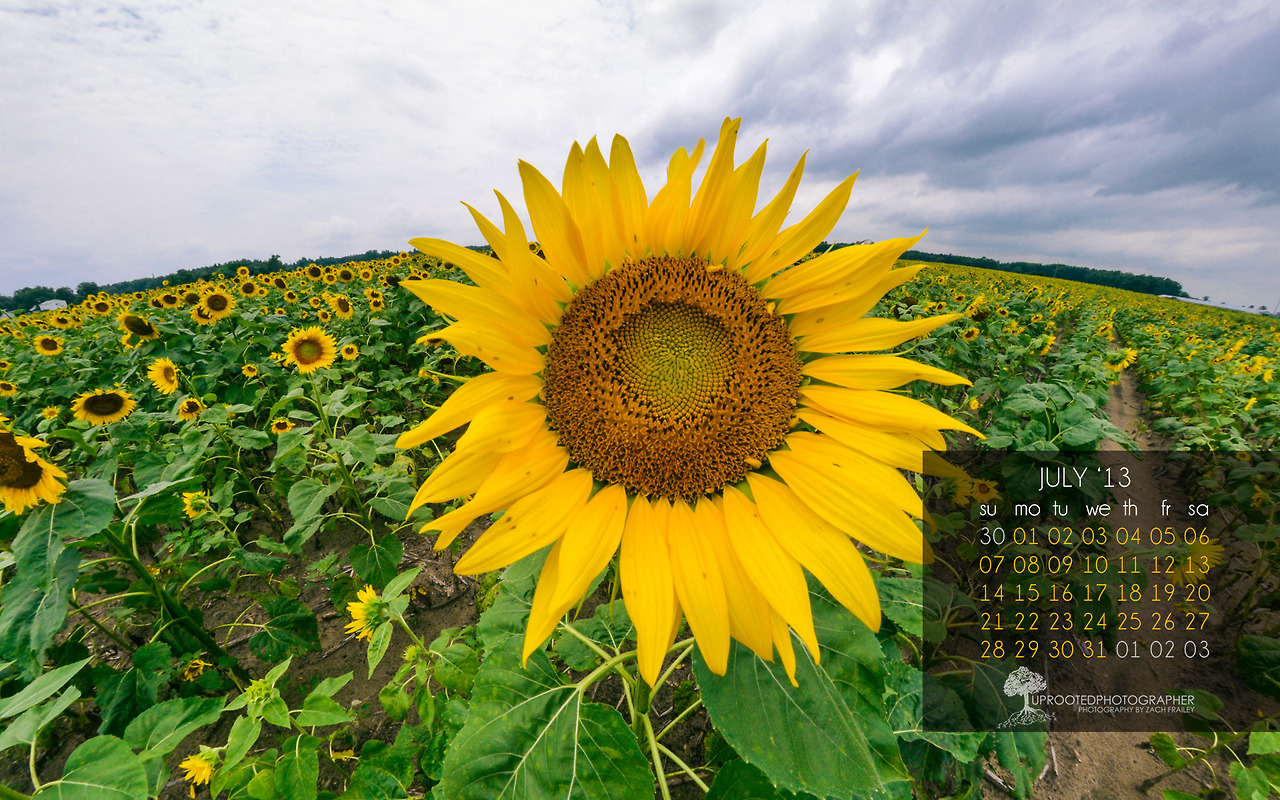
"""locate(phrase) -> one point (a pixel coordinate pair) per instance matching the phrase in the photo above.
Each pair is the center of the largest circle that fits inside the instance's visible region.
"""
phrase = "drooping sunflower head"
(310, 349)
(103, 406)
(674, 380)
(48, 345)
(190, 408)
(25, 477)
(194, 503)
(138, 325)
(163, 374)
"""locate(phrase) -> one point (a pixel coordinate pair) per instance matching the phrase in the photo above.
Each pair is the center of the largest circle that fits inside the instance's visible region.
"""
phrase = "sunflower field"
(636, 504)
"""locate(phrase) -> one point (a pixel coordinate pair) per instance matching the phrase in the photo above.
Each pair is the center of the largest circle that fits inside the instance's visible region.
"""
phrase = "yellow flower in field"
(195, 503)
(984, 490)
(247, 289)
(249, 370)
(100, 306)
(1251, 403)
(4, 365)
(25, 477)
(197, 769)
(47, 345)
(51, 412)
(364, 613)
(350, 351)
(215, 305)
(310, 349)
(103, 406)
(647, 368)
(1200, 558)
(163, 374)
(195, 669)
(281, 425)
(341, 305)
(323, 315)
(970, 334)
(346, 274)
(190, 408)
(242, 271)
(1259, 497)
(139, 326)
(8, 389)
(974, 404)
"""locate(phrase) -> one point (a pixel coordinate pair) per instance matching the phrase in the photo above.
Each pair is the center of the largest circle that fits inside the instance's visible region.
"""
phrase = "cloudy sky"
(139, 138)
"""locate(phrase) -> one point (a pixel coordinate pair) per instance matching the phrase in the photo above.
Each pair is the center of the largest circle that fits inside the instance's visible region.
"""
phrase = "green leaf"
(249, 438)
(1022, 754)
(103, 768)
(87, 507)
(395, 701)
(738, 780)
(244, 735)
(456, 667)
(376, 564)
(1258, 662)
(292, 629)
(363, 448)
(330, 686)
(321, 710)
(378, 645)
(39, 689)
(530, 736)
(36, 597)
(803, 737)
(1174, 794)
(399, 583)
(160, 728)
(1264, 742)
(124, 695)
(298, 768)
(26, 727)
(1251, 782)
(385, 772)
(901, 600)
(306, 502)
(506, 618)
(1164, 746)
(1023, 404)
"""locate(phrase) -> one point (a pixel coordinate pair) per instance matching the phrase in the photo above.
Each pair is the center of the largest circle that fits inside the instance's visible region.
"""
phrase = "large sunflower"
(669, 381)
(137, 325)
(25, 477)
(103, 405)
(216, 304)
(310, 349)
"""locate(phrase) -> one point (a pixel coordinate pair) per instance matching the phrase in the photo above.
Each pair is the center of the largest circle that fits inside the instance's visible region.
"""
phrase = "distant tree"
(86, 288)
(274, 263)
(32, 296)
(65, 294)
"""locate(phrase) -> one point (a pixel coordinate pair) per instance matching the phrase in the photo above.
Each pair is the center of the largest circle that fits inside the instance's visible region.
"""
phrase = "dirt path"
(1113, 765)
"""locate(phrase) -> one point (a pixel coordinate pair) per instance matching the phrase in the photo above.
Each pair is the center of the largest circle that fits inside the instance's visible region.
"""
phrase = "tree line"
(30, 297)
(1114, 278)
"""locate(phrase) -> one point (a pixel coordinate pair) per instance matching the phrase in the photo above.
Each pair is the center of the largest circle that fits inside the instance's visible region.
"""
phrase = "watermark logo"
(1023, 681)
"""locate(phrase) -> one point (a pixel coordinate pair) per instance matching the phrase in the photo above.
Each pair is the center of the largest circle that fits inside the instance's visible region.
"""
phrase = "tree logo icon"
(1024, 682)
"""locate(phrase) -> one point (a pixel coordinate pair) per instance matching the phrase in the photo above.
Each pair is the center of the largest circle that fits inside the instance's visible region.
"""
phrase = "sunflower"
(62, 321)
(349, 352)
(314, 272)
(102, 406)
(346, 275)
(48, 345)
(310, 349)
(216, 304)
(137, 325)
(341, 305)
(8, 389)
(194, 503)
(25, 477)
(984, 491)
(169, 300)
(194, 669)
(249, 370)
(197, 770)
(100, 306)
(645, 372)
(190, 408)
(163, 374)
(50, 412)
(248, 289)
(323, 315)
(970, 334)
(1200, 557)
(364, 613)
(281, 425)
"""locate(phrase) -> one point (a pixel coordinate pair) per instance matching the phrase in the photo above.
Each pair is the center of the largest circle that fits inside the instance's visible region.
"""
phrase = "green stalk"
(9, 794)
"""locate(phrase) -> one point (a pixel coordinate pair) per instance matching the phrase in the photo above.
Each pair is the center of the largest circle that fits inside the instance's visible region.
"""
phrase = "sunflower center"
(216, 302)
(16, 472)
(48, 344)
(138, 325)
(170, 374)
(309, 351)
(104, 405)
(670, 378)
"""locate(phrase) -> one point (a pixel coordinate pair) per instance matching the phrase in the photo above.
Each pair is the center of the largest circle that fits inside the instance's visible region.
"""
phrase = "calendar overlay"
(1085, 592)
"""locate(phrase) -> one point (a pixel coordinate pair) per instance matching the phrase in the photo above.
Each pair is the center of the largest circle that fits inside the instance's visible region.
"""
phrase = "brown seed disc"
(670, 379)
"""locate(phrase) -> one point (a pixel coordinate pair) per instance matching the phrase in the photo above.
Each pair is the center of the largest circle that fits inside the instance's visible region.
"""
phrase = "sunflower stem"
(656, 757)
(347, 479)
(685, 768)
(112, 635)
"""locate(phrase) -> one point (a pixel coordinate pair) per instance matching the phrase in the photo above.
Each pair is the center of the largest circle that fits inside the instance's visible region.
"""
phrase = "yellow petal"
(582, 199)
(542, 615)
(797, 240)
(634, 203)
(492, 346)
(782, 640)
(732, 232)
(762, 232)
(481, 306)
(699, 585)
(870, 333)
(468, 400)
(533, 522)
(895, 449)
(775, 573)
(645, 568)
(485, 271)
(706, 215)
(503, 427)
(589, 543)
(877, 372)
(836, 269)
(820, 548)
(533, 286)
(854, 299)
(748, 608)
(458, 475)
(614, 239)
(669, 211)
(555, 228)
(850, 503)
(880, 409)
